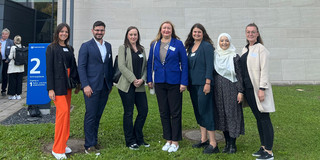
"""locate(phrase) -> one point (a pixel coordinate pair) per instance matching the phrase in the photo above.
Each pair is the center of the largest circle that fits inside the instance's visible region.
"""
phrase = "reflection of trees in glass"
(46, 7)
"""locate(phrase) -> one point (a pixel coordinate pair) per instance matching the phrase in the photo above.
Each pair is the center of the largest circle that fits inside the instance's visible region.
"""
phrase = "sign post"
(37, 93)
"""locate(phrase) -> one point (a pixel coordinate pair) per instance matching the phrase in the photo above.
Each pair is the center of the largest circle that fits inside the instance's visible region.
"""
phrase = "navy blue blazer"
(202, 67)
(175, 68)
(92, 70)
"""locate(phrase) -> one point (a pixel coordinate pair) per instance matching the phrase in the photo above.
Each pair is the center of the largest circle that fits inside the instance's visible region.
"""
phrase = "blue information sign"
(37, 80)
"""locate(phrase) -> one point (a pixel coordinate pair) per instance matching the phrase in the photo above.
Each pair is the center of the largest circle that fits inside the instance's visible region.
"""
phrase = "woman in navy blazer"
(169, 61)
(200, 55)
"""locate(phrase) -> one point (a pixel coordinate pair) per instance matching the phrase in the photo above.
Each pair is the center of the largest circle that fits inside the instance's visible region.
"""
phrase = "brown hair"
(56, 34)
(128, 44)
(159, 35)
(259, 39)
(188, 43)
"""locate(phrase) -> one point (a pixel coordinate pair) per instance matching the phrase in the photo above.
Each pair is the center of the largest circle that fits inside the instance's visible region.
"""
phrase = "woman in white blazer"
(258, 92)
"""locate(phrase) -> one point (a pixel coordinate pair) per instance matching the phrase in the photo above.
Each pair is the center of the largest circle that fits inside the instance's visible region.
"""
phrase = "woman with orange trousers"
(61, 67)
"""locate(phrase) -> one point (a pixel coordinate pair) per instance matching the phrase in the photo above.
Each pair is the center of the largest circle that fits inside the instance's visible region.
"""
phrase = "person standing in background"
(15, 72)
(6, 45)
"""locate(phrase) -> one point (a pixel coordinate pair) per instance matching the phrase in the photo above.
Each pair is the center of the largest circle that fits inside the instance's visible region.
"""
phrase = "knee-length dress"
(228, 113)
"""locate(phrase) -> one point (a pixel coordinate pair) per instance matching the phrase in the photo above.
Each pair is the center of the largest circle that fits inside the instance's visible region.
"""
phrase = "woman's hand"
(240, 98)
(138, 82)
(261, 95)
(182, 88)
(206, 89)
(76, 91)
(52, 95)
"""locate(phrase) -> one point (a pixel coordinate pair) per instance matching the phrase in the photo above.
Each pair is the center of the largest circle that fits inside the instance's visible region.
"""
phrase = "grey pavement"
(9, 107)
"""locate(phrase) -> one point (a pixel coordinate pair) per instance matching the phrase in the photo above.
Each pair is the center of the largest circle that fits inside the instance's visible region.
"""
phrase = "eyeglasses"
(99, 30)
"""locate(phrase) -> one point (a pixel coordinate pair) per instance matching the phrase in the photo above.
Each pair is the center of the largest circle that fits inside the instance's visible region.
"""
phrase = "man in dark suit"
(95, 72)
(6, 44)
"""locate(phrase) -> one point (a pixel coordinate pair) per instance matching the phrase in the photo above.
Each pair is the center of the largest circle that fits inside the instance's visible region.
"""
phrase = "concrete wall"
(290, 28)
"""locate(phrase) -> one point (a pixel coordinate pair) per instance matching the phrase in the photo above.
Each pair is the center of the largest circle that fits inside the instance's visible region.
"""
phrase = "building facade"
(290, 29)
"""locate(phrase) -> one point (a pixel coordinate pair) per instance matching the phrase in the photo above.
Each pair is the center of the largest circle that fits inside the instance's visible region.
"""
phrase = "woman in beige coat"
(258, 92)
(132, 64)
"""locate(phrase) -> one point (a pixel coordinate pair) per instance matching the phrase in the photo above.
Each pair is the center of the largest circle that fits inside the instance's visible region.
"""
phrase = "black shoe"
(258, 153)
(209, 149)
(134, 147)
(3, 93)
(232, 149)
(91, 150)
(144, 144)
(200, 144)
(97, 147)
(226, 148)
(265, 156)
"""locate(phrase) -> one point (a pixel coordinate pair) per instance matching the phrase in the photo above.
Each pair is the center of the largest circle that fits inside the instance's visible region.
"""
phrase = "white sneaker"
(59, 156)
(18, 97)
(166, 147)
(68, 150)
(173, 148)
(12, 97)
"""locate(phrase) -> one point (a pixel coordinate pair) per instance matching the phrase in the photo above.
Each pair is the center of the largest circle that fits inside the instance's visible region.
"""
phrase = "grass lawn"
(295, 122)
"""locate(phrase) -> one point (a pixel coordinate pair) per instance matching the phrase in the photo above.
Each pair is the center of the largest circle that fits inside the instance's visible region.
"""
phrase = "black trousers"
(170, 108)
(4, 76)
(94, 108)
(264, 124)
(133, 133)
(15, 83)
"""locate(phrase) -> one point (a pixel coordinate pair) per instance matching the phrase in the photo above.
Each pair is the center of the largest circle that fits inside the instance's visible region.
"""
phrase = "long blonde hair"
(159, 35)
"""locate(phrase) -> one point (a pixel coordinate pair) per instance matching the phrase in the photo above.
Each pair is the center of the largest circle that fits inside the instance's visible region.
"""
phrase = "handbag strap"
(154, 46)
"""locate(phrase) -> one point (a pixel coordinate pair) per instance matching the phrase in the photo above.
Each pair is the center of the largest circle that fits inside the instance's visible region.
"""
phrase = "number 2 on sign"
(34, 69)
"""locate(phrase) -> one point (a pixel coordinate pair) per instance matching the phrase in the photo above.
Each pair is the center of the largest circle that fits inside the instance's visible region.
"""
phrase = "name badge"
(8, 47)
(141, 55)
(65, 49)
(192, 54)
(172, 48)
(254, 54)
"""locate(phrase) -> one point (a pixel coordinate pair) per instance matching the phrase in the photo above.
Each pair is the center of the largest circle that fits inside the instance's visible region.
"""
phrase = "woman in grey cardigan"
(132, 65)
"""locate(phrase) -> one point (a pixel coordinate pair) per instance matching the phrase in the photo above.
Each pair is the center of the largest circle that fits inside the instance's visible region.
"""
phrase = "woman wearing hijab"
(257, 88)
(200, 55)
(228, 92)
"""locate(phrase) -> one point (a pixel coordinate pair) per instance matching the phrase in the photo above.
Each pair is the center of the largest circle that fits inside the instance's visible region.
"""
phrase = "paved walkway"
(8, 107)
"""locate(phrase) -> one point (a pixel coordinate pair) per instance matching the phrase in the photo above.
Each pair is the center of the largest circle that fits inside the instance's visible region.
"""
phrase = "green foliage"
(295, 122)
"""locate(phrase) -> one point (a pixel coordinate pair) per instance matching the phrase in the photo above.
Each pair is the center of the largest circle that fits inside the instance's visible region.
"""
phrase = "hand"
(52, 95)
(6, 61)
(240, 98)
(206, 89)
(77, 90)
(261, 95)
(137, 83)
(87, 91)
(182, 88)
(150, 85)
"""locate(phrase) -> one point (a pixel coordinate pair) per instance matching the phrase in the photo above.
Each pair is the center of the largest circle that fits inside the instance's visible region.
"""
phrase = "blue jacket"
(92, 70)
(175, 68)
(202, 67)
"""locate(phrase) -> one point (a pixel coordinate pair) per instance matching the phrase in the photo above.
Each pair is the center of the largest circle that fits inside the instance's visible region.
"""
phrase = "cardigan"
(258, 69)
(126, 69)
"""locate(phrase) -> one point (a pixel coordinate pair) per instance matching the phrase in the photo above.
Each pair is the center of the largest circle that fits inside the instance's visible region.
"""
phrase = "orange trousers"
(62, 125)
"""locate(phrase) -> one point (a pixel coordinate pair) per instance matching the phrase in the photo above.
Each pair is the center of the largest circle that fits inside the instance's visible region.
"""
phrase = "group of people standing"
(219, 81)
(8, 68)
